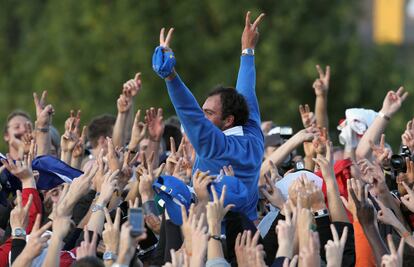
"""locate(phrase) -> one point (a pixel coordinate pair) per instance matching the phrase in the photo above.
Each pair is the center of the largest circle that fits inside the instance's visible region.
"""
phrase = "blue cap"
(163, 61)
(174, 192)
(53, 172)
(236, 192)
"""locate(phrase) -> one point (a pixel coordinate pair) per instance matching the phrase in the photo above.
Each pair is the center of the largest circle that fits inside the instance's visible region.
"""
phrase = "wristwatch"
(19, 232)
(97, 207)
(217, 237)
(109, 256)
(385, 117)
(320, 213)
(248, 51)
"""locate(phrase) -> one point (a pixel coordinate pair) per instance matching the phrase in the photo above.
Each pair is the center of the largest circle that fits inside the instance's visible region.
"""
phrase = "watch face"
(19, 232)
(108, 255)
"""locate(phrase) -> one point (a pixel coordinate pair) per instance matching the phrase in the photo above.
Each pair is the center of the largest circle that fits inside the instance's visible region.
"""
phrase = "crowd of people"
(211, 186)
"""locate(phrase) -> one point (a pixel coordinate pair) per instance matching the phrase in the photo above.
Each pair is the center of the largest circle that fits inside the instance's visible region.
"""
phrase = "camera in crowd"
(275, 138)
(398, 163)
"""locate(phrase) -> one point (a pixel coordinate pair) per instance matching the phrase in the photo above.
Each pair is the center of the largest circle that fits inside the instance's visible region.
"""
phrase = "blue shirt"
(213, 148)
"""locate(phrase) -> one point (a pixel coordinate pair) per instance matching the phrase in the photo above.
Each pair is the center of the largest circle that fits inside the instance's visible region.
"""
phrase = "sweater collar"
(237, 131)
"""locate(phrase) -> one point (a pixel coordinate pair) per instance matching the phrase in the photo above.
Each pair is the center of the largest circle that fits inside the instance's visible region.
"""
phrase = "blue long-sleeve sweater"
(213, 148)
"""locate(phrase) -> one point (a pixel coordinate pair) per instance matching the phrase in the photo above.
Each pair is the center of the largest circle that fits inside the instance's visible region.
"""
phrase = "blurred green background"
(83, 51)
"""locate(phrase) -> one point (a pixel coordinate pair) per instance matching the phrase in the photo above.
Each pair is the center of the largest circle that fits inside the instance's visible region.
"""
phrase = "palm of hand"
(69, 141)
(22, 172)
(392, 102)
(308, 119)
(321, 87)
(156, 127)
(123, 104)
(366, 214)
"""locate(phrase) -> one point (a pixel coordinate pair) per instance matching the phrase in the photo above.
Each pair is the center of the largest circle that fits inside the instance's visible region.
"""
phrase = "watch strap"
(320, 213)
(248, 51)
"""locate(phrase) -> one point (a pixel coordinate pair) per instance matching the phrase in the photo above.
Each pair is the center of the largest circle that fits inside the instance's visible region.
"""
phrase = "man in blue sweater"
(226, 130)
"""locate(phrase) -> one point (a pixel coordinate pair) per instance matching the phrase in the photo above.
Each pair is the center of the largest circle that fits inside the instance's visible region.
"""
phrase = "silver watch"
(248, 51)
(109, 255)
(19, 232)
(97, 207)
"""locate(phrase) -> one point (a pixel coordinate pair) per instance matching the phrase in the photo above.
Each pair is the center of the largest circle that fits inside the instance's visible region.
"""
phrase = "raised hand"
(408, 136)
(321, 85)
(178, 259)
(21, 169)
(372, 174)
(250, 34)
(320, 142)
(186, 226)
(163, 60)
(285, 231)
(274, 173)
(386, 216)
(108, 187)
(381, 153)
(335, 248)
(37, 242)
(87, 247)
(408, 199)
(111, 232)
(216, 210)
(123, 103)
(155, 124)
(291, 263)
(44, 112)
(393, 101)
(200, 236)
(273, 194)
(139, 130)
(326, 163)
(308, 117)
(114, 158)
(79, 148)
(309, 252)
(70, 138)
(27, 138)
(19, 216)
(165, 41)
(79, 187)
(349, 203)
(395, 258)
(146, 180)
(132, 87)
(365, 209)
(128, 245)
(201, 181)
(62, 222)
(245, 248)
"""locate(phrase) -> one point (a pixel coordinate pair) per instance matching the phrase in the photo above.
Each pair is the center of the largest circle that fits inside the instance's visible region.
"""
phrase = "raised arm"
(208, 140)
(44, 114)
(321, 87)
(392, 103)
(246, 80)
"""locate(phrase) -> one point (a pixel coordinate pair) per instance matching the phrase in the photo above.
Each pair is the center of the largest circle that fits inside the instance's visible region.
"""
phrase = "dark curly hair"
(100, 126)
(232, 103)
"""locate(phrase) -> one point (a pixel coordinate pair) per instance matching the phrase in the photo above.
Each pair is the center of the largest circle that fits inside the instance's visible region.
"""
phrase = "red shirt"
(35, 208)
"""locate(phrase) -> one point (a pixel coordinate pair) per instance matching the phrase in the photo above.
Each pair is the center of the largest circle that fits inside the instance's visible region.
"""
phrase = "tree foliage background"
(83, 51)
